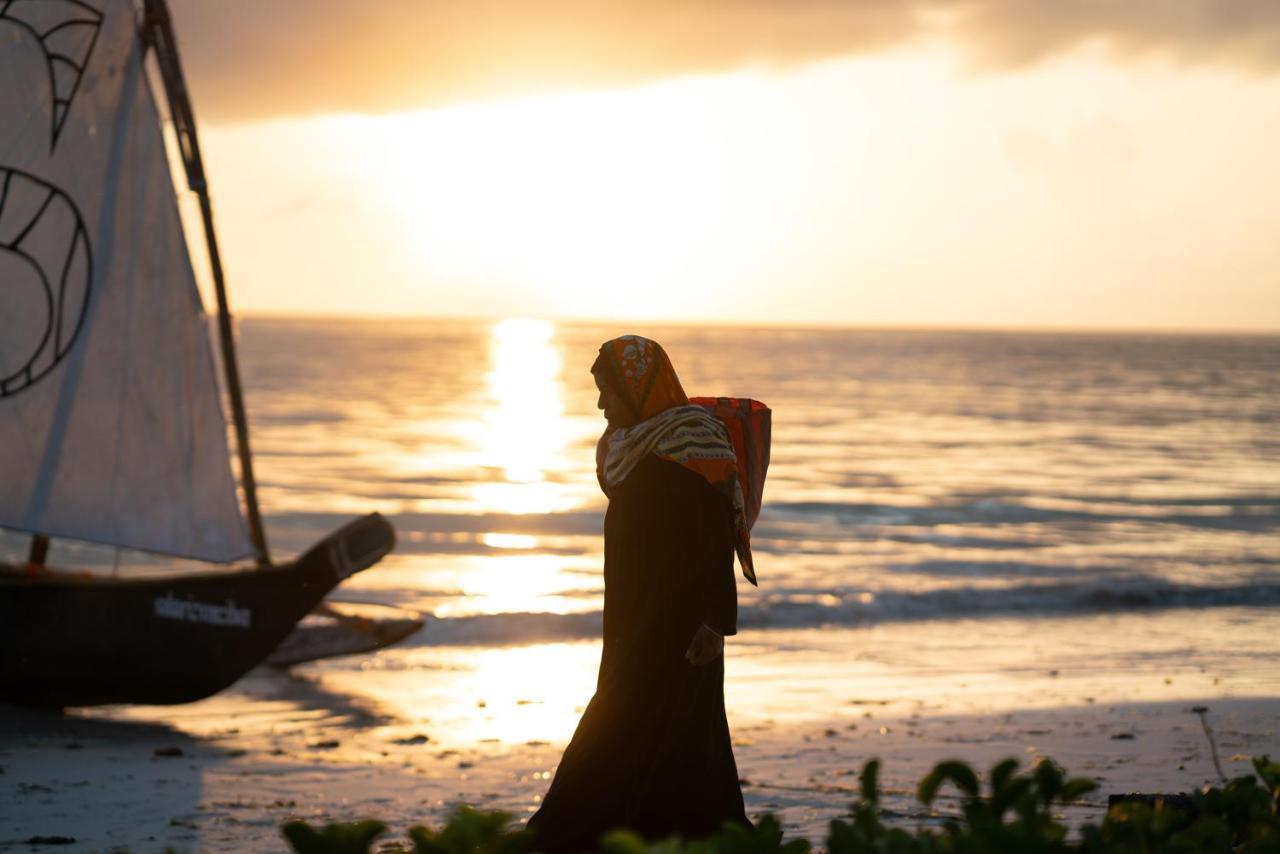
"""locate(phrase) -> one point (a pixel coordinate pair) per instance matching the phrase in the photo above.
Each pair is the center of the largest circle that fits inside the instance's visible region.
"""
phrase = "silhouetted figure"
(652, 751)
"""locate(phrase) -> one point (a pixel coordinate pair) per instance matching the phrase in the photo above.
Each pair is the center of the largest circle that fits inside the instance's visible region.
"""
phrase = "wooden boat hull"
(69, 641)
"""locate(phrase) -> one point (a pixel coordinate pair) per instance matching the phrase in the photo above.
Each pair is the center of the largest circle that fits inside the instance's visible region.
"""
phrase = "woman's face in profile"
(614, 407)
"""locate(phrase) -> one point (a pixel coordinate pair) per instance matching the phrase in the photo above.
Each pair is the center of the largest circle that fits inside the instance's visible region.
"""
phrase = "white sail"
(111, 422)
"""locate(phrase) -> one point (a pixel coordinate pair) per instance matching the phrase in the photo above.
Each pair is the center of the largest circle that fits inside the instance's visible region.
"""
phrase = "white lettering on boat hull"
(170, 607)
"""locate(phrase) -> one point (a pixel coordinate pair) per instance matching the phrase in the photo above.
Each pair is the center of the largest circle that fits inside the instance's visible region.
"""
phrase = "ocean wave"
(1246, 515)
(783, 524)
(861, 608)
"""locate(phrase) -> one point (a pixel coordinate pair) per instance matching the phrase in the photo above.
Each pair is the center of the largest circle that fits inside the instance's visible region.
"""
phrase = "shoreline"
(222, 775)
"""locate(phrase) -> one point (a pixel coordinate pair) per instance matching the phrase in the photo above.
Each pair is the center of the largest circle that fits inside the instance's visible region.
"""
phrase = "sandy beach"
(329, 743)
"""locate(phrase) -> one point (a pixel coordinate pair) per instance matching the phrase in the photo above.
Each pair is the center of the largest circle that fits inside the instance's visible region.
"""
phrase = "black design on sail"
(46, 266)
(123, 439)
(66, 31)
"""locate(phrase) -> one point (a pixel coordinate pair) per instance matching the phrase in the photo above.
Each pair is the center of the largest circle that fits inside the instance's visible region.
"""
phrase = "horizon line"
(748, 324)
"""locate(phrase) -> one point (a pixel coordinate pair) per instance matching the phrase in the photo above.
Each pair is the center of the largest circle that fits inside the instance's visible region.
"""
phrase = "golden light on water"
(525, 430)
(473, 695)
(510, 541)
(519, 583)
(523, 454)
(523, 444)
(530, 693)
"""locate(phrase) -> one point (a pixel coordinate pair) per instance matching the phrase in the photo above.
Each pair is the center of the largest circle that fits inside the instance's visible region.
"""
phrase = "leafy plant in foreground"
(764, 838)
(1014, 816)
(345, 837)
(469, 830)
(1242, 817)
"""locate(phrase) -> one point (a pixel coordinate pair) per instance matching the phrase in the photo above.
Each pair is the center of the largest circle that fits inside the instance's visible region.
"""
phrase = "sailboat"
(112, 424)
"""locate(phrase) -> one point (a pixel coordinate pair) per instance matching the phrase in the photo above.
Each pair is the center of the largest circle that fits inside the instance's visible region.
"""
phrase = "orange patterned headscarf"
(667, 426)
(640, 372)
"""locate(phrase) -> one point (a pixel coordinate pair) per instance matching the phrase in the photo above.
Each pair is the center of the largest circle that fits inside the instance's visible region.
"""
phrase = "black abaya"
(652, 751)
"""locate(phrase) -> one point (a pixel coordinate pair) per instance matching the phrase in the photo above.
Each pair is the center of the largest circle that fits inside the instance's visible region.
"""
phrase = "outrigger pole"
(157, 30)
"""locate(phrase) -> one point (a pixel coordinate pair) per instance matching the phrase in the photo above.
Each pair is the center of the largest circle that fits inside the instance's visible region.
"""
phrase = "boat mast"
(157, 30)
(39, 550)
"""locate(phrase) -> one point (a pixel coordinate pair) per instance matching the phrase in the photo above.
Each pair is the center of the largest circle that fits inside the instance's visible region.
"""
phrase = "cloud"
(1242, 34)
(252, 60)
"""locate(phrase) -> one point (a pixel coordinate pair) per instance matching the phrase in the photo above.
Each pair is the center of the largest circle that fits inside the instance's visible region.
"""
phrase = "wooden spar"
(157, 29)
(39, 550)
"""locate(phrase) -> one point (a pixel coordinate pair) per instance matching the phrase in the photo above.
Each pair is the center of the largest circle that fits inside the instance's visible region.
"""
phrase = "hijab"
(666, 425)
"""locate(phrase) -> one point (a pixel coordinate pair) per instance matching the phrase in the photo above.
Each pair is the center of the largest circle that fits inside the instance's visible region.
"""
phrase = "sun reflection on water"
(524, 455)
(525, 433)
(516, 542)
(473, 695)
(519, 583)
(525, 428)
(522, 446)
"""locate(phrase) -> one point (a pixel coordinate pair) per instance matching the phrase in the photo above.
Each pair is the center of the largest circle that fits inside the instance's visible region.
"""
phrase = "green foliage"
(468, 831)
(1269, 771)
(347, 837)
(764, 838)
(1015, 814)
(1242, 817)
(956, 772)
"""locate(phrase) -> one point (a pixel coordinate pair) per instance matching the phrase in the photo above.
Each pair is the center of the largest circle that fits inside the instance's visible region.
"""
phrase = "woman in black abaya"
(652, 751)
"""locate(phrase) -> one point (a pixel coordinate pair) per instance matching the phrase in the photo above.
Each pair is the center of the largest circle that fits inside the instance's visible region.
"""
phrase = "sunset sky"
(977, 163)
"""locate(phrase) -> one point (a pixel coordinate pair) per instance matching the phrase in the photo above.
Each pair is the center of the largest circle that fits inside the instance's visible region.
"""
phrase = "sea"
(914, 475)
(947, 514)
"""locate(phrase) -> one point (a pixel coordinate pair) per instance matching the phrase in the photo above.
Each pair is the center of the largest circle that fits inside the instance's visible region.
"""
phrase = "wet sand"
(221, 775)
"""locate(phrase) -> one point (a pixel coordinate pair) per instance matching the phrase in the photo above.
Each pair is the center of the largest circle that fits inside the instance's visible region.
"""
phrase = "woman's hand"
(707, 645)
